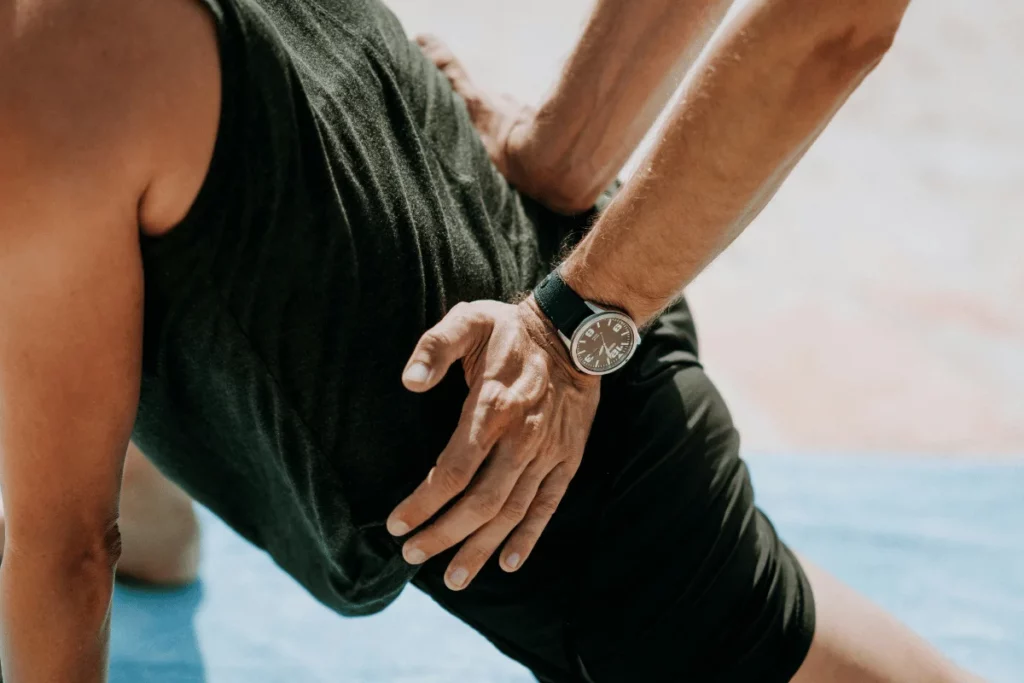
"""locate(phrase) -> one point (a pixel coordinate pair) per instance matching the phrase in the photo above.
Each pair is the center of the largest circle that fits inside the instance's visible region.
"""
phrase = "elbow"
(870, 26)
(91, 554)
(70, 549)
(110, 546)
(846, 36)
(878, 26)
(97, 552)
(841, 44)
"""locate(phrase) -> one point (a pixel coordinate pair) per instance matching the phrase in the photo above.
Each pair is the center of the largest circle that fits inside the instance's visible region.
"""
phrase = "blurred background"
(878, 302)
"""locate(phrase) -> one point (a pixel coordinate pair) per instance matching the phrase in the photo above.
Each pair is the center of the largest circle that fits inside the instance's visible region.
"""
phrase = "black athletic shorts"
(657, 565)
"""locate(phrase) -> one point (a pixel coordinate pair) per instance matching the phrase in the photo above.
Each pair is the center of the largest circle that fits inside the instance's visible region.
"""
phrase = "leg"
(857, 642)
(159, 529)
(658, 566)
(756, 594)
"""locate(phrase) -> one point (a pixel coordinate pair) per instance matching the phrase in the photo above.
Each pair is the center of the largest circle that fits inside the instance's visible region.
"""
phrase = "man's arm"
(70, 315)
(70, 338)
(629, 61)
(88, 142)
(762, 93)
(749, 110)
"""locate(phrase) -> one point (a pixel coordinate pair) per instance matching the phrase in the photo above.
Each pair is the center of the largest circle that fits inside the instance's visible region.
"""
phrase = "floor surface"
(941, 544)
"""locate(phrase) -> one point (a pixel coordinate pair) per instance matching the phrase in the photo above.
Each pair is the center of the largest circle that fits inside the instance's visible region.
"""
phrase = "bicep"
(70, 349)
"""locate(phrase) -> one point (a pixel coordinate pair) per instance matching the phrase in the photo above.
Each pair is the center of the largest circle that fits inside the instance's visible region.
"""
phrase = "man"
(223, 228)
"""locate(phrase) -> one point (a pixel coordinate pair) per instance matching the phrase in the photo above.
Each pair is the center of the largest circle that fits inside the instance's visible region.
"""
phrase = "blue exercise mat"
(939, 543)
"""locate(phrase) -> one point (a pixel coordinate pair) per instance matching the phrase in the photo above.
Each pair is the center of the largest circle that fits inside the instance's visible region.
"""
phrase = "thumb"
(463, 329)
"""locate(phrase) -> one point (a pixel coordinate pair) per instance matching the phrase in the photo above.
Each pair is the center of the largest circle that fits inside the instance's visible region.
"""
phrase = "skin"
(92, 150)
(748, 111)
(159, 530)
(108, 114)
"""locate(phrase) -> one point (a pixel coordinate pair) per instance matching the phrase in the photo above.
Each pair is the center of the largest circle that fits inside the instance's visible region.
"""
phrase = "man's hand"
(505, 126)
(622, 72)
(517, 446)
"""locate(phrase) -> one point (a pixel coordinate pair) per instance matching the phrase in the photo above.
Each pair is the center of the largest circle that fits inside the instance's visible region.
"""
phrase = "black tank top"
(348, 206)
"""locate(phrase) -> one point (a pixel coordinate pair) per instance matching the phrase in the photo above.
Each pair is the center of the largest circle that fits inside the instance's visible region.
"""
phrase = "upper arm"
(85, 133)
(70, 349)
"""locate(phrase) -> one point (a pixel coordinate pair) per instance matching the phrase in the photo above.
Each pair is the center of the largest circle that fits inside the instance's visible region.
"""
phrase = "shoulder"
(116, 99)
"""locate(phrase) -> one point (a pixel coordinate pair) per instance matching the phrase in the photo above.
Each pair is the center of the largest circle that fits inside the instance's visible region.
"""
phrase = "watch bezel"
(577, 337)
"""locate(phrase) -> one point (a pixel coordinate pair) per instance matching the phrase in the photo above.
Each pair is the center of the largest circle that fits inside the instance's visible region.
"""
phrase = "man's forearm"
(749, 110)
(55, 617)
(631, 58)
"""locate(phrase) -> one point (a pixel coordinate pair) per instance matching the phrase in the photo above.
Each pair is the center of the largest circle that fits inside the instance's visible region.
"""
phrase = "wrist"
(609, 292)
(545, 334)
(543, 168)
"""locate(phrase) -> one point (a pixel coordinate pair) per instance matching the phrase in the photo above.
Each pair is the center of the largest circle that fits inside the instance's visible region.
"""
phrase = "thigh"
(687, 579)
(657, 566)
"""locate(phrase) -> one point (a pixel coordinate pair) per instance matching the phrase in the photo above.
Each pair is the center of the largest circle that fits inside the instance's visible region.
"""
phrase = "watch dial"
(604, 344)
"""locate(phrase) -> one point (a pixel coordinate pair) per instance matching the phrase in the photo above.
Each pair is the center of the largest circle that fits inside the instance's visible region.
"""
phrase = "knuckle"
(545, 506)
(437, 541)
(475, 103)
(532, 426)
(434, 340)
(477, 442)
(487, 503)
(535, 390)
(521, 454)
(452, 478)
(523, 541)
(460, 310)
(475, 556)
(494, 399)
(470, 313)
(515, 510)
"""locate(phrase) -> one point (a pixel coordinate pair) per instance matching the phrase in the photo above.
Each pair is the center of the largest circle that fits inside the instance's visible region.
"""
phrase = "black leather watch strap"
(561, 304)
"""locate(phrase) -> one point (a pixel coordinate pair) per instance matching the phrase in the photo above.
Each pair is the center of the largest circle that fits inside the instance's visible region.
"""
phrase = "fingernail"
(397, 527)
(417, 373)
(458, 577)
(415, 556)
(512, 561)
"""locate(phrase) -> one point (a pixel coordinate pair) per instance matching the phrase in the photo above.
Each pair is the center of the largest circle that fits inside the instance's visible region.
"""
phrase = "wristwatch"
(600, 340)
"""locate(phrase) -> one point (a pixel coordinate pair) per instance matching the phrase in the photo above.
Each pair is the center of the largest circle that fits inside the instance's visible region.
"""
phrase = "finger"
(481, 109)
(435, 49)
(480, 546)
(522, 541)
(465, 327)
(483, 502)
(478, 430)
(444, 59)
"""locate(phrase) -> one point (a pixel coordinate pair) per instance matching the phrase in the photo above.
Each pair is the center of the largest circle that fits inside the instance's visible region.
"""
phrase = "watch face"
(603, 343)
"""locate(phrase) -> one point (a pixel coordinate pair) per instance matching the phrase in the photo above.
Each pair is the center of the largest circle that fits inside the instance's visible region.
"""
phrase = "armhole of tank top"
(229, 34)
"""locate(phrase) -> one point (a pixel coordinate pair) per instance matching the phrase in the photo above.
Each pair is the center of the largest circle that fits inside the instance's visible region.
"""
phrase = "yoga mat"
(940, 543)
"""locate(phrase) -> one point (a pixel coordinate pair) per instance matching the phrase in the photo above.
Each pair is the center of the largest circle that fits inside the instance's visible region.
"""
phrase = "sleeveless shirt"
(348, 206)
